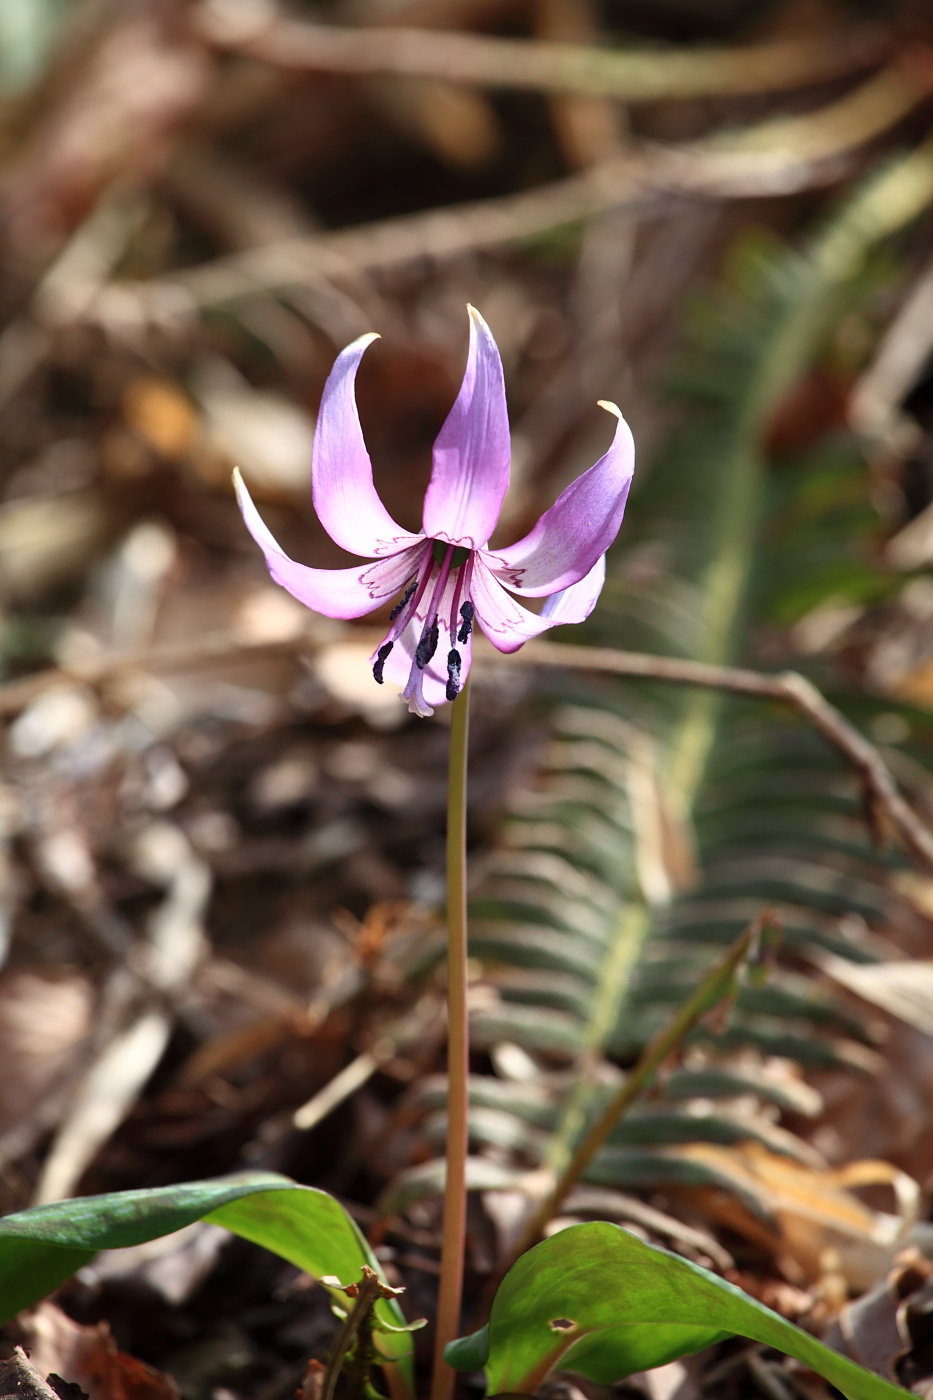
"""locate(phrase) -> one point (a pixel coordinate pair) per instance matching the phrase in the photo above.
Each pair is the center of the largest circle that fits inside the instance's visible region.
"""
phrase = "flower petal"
(579, 527)
(341, 471)
(341, 593)
(508, 625)
(574, 604)
(471, 455)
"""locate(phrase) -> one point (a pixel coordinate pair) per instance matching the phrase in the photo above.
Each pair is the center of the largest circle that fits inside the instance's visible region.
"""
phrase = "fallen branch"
(776, 157)
(629, 74)
(883, 797)
(786, 687)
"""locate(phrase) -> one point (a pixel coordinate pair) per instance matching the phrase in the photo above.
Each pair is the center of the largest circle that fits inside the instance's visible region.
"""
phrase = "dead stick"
(631, 75)
(774, 157)
(785, 687)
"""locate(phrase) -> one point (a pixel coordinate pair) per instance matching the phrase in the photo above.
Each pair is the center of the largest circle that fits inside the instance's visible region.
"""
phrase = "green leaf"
(41, 1247)
(601, 1303)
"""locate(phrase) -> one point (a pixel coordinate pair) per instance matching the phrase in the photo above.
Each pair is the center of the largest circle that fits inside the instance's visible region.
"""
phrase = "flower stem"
(454, 1219)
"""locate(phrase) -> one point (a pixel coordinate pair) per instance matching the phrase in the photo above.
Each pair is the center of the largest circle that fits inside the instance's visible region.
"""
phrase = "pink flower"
(446, 577)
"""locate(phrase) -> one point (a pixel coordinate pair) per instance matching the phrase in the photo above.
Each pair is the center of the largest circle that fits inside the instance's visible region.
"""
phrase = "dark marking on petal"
(453, 675)
(467, 613)
(405, 598)
(380, 662)
(427, 646)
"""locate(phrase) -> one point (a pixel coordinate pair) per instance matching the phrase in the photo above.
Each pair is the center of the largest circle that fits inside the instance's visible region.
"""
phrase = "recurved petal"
(574, 604)
(579, 527)
(341, 471)
(470, 472)
(340, 593)
(508, 625)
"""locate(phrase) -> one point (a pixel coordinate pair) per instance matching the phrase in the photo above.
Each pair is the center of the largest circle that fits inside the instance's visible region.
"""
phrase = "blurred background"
(221, 846)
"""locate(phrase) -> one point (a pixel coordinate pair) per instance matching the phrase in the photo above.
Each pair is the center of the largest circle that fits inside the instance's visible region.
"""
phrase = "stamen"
(430, 633)
(428, 645)
(403, 614)
(380, 662)
(461, 578)
(453, 674)
(405, 598)
(467, 613)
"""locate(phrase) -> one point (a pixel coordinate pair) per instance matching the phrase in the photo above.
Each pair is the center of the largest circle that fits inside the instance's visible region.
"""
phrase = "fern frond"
(663, 820)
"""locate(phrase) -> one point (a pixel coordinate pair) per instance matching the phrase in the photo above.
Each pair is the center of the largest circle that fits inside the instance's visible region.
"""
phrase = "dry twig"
(772, 158)
(787, 687)
(631, 75)
(19, 1379)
